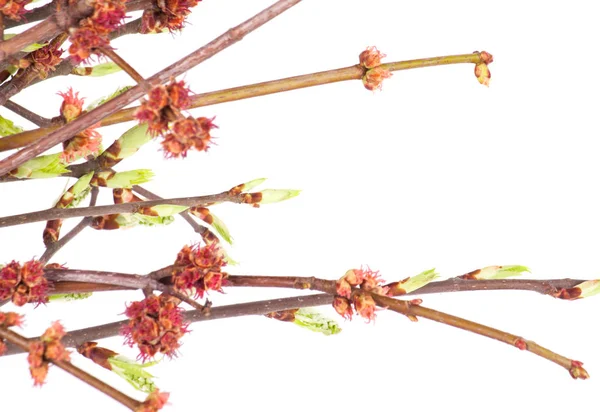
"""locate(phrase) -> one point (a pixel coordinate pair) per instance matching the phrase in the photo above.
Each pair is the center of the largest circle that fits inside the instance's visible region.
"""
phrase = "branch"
(133, 207)
(27, 114)
(259, 89)
(86, 120)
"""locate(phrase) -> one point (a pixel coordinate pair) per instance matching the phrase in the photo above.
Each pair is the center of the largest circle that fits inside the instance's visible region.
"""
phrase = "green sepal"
(68, 297)
(277, 195)
(316, 322)
(41, 167)
(133, 372)
(7, 127)
(104, 99)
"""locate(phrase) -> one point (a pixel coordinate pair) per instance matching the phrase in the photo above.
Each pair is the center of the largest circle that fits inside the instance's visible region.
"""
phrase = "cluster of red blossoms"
(162, 112)
(363, 303)
(170, 15)
(8, 320)
(49, 347)
(85, 142)
(199, 268)
(155, 325)
(13, 9)
(93, 31)
(24, 284)
(374, 75)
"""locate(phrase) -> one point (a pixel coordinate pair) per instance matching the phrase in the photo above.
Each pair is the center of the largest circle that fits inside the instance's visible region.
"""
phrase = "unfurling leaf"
(317, 322)
(104, 99)
(104, 69)
(7, 127)
(41, 167)
(277, 195)
(413, 283)
(496, 272)
(221, 228)
(133, 372)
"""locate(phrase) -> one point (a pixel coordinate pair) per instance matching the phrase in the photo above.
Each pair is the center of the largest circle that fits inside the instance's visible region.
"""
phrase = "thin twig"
(132, 207)
(22, 343)
(127, 68)
(227, 39)
(255, 90)
(54, 247)
(27, 114)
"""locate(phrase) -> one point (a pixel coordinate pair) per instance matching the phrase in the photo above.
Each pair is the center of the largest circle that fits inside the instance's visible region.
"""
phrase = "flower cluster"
(93, 31)
(8, 320)
(14, 9)
(48, 348)
(374, 75)
(154, 402)
(44, 60)
(363, 303)
(155, 325)
(86, 142)
(170, 15)
(199, 268)
(482, 71)
(24, 284)
(162, 112)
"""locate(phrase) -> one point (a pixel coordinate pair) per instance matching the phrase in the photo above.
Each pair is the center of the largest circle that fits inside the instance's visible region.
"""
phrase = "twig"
(127, 68)
(133, 207)
(27, 114)
(227, 39)
(54, 247)
(259, 89)
(77, 337)
(22, 343)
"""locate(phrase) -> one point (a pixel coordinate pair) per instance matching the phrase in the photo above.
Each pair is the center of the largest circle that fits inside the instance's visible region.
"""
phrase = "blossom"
(154, 402)
(47, 348)
(373, 78)
(85, 143)
(199, 268)
(24, 283)
(364, 304)
(371, 57)
(155, 325)
(72, 105)
(46, 58)
(342, 307)
(8, 320)
(170, 16)
(163, 105)
(84, 41)
(14, 9)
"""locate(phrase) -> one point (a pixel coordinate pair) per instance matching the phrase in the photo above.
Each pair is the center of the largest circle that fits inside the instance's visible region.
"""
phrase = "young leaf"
(277, 195)
(221, 228)
(133, 372)
(104, 69)
(317, 322)
(496, 272)
(413, 283)
(129, 178)
(41, 167)
(68, 297)
(7, 127)
(252, 184)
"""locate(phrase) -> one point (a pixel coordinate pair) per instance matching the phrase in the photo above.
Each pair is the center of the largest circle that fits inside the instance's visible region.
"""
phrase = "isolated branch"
(86, 120)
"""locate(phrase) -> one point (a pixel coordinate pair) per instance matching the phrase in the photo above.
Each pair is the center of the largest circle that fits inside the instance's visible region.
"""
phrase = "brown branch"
(133, 207)
(259, 89)
(54, 247)
(227, 39)
(126, 67)
(22, 343)
(27, 114)
(77, 337)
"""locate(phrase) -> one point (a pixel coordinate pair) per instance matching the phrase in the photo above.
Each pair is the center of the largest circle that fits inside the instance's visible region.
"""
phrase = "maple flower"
(14, 9)
(371, 57)
(8, 320)
(199, 268)
(45, 59)
(84, 41)
(155, 325)
(163, 105)
(85, 143)
(154, 402)
(188, 133)
(373, 78)
(342, 307)
(108, 15)
(170, 16)
(364, 305)
(72, 105)
(24, 284)
(47, 348)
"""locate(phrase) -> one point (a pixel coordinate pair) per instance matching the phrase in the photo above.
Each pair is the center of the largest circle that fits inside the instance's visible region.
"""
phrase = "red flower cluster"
(13, 9)
(24, 284)
(364, 304)
(45, 59)
(93, 31)
(199, 268)
(374, 75)
(154, 402)
(84, 143)
(49, 347)
(187, 133)
(164, 105)
(155, 325)
(170, 15)
(8, 320)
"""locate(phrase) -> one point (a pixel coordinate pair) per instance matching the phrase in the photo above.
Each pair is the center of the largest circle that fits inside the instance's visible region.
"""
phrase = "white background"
(435, 171)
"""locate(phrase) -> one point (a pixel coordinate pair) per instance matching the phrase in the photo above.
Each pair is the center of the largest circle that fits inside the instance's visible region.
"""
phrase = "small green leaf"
(104, 99)
(499, 272)
(104, 69)
(82, 183)
(68, 297)
(41, 167)
(253, 183)
(127, 179)
(221, 228)
(152, 220)
(168, 210)
(588, 288)
(416, 282)
(28, 49)
(317, 322)
(277, 195)
(7, 127)
(133, 372)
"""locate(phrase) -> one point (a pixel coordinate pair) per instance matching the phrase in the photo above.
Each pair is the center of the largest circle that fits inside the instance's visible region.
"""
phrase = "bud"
(342, 307)
(41, 167)
(577, 371)
(413, 283)
(482, 72)
(373, 78)
(316, 322)
(364, 305)
(582, 290)
(496, 272)
(371, 57)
